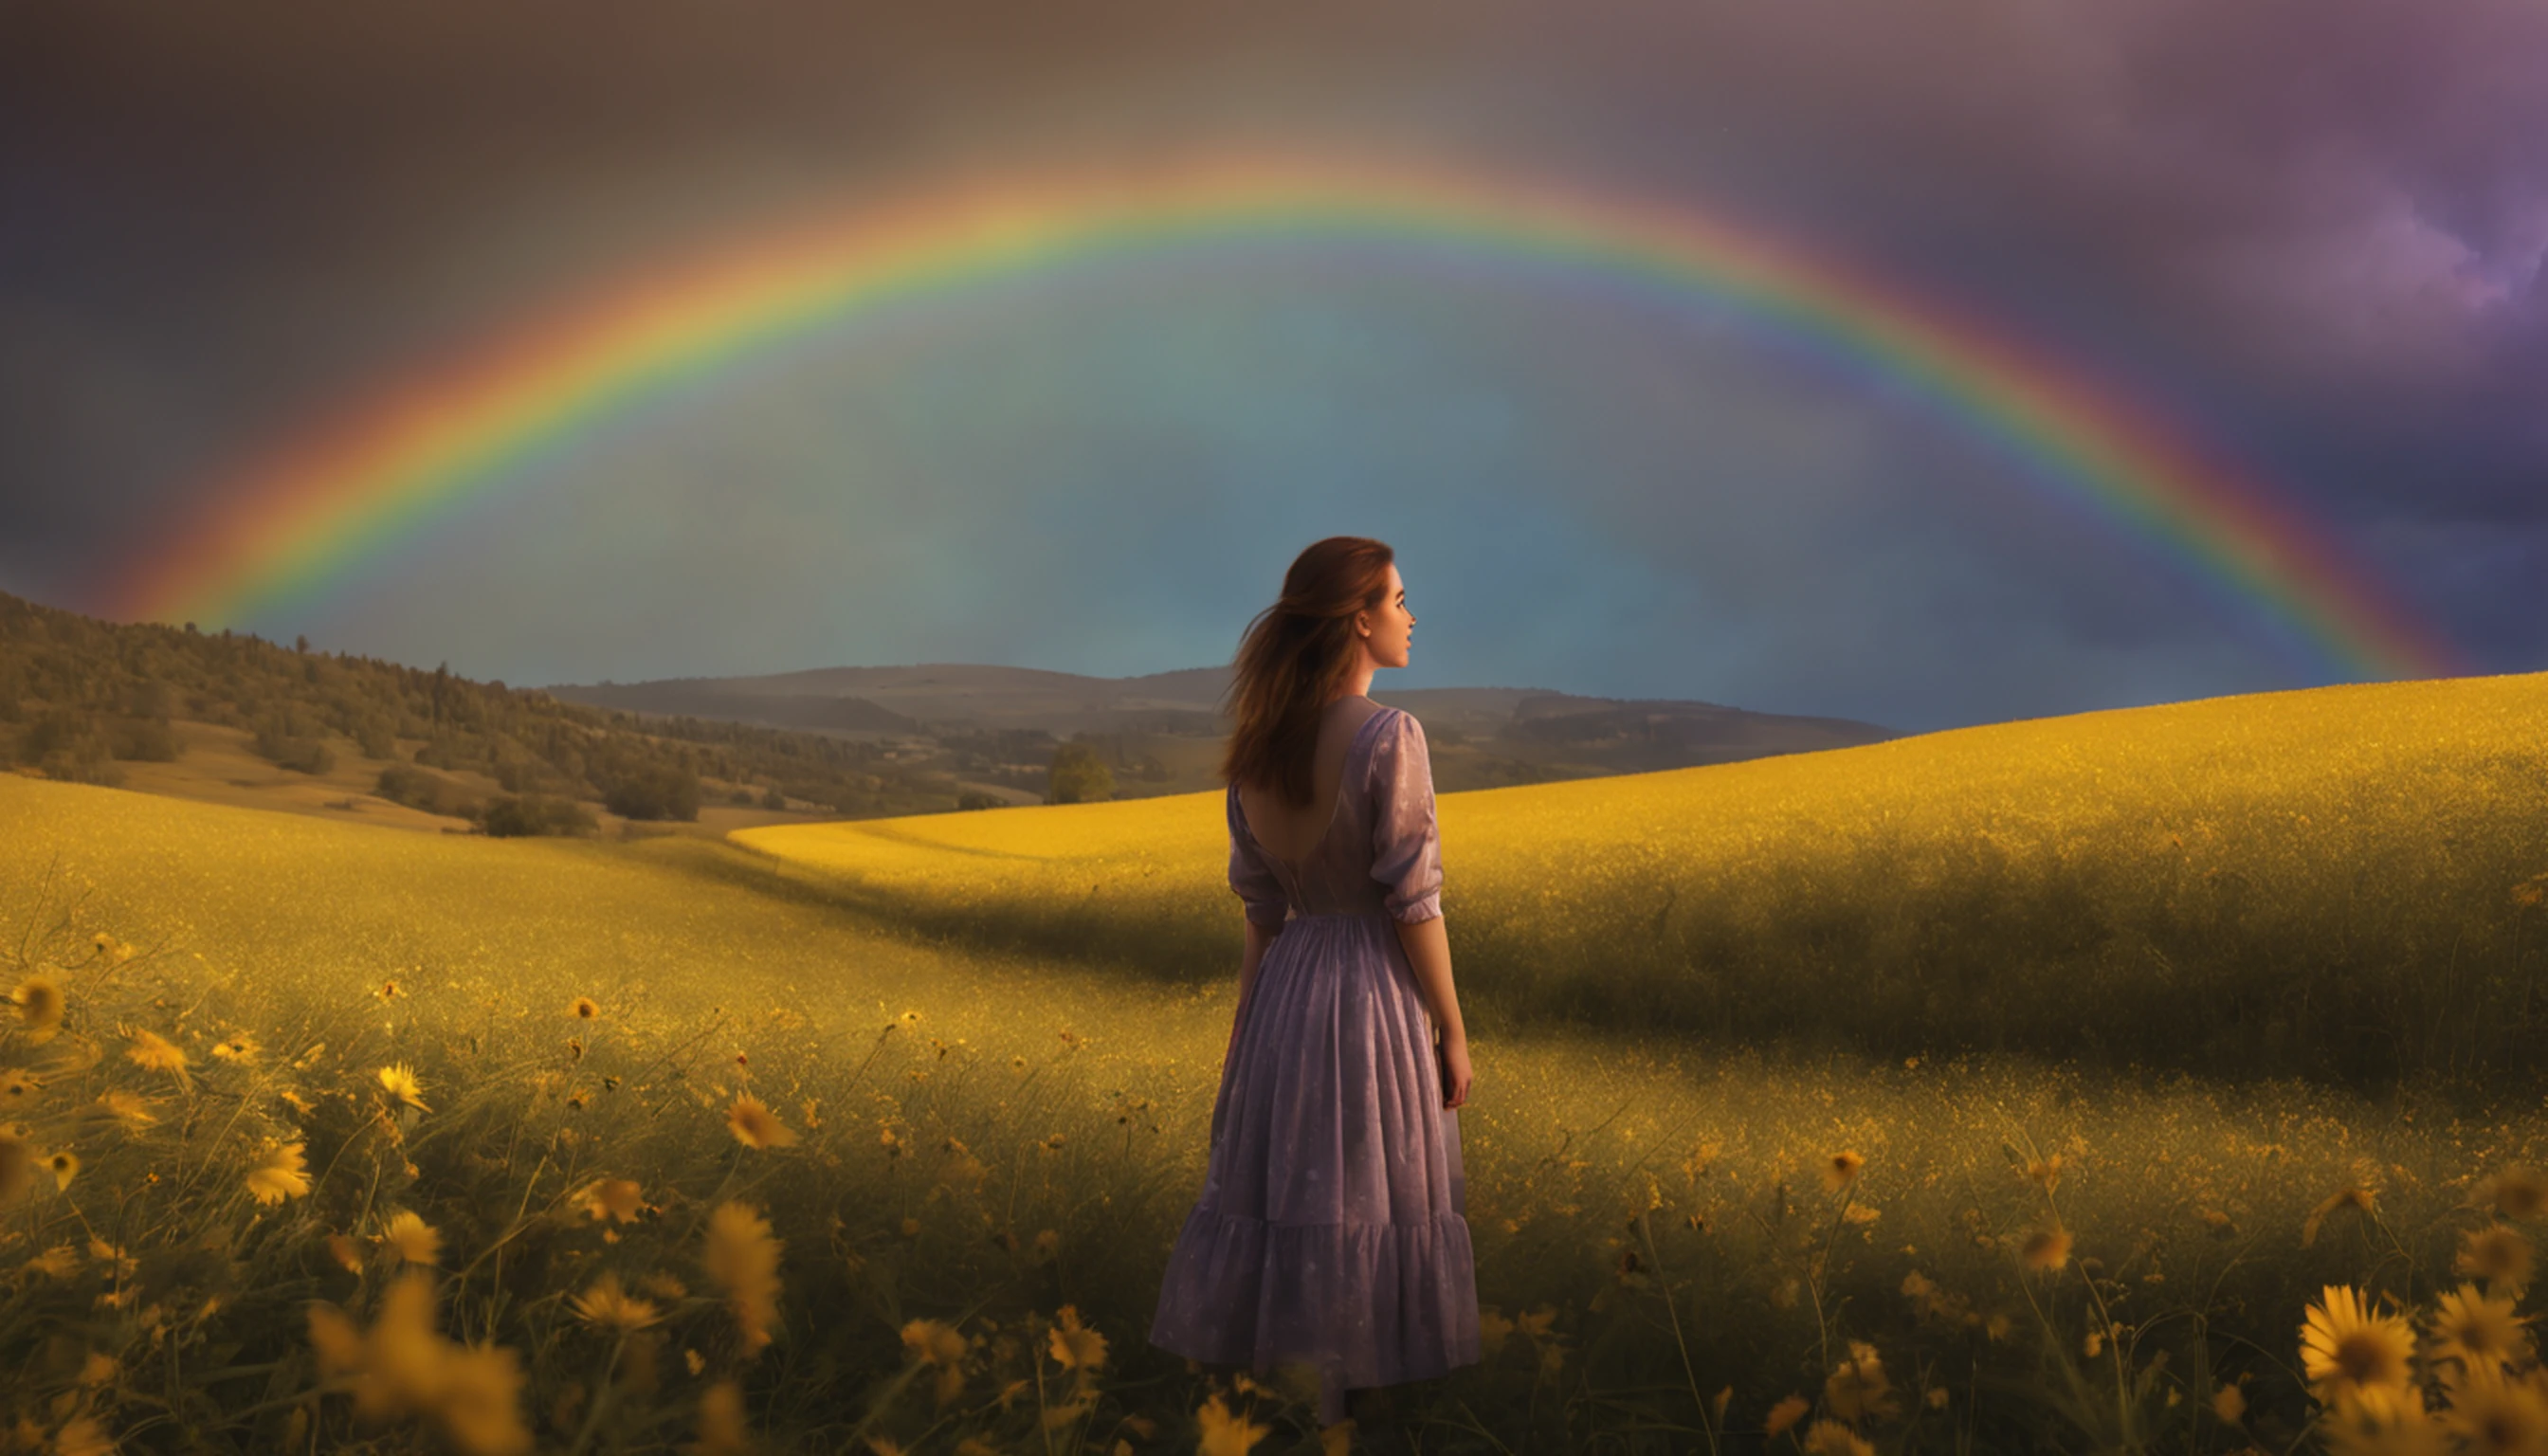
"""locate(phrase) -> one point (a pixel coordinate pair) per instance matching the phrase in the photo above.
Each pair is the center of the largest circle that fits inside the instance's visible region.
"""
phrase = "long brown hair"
(1295, 657)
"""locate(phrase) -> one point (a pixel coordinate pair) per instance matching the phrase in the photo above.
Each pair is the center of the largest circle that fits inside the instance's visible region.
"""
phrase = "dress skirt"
(1331, 1229)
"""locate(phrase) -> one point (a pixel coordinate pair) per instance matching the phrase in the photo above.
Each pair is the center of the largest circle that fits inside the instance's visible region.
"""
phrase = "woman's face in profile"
(1392, 624)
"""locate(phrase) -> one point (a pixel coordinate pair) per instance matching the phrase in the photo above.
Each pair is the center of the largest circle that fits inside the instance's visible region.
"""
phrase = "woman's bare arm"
(1428, 952)
(1259, 940)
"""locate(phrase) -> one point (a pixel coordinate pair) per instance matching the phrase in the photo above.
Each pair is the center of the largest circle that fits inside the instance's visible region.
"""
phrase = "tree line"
(79, 697)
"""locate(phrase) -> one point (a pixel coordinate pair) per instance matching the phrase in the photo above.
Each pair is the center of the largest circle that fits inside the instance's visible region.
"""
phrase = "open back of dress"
(1380, 854)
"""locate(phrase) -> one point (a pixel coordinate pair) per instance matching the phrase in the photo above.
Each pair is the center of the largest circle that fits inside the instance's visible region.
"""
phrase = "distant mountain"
(1495, 734)
(235, 719)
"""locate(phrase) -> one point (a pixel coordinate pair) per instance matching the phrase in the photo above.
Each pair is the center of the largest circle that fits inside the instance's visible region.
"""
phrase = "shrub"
(509, 816)
(377, 738)
(421, 788)
(291, 739)
(57, 735)
(153, 740)
(656, 791)
(1079, 775)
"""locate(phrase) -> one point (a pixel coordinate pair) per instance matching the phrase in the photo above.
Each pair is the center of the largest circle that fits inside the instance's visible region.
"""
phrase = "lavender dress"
(1331, 1229)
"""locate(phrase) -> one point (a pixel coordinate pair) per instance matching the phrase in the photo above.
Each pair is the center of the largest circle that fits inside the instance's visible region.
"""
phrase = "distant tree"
(656, 791)
(974, 798)
(153, 740)
(774, 799)
(149, 699)
(442, 751)
(421, 788)
(377, 738)
(508, 816)
(291, 740)
(1078, 776)
(65, 745)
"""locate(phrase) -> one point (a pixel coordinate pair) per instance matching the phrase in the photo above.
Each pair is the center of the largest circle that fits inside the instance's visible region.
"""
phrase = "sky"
(2307, 235)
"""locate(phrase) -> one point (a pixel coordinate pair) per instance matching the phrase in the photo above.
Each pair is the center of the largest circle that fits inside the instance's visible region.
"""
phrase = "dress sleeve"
(1249, 876)
(1407, 850)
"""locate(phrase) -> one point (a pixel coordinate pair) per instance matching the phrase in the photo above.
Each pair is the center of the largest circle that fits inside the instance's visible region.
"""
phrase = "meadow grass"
(519, 1224)
(2343, 883)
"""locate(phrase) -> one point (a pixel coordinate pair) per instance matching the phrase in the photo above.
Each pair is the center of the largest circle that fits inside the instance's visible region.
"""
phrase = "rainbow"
(303, 518)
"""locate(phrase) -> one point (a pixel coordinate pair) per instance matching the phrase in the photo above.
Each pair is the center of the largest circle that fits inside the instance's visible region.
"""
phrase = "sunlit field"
(1928, 1096)
(2344, 882)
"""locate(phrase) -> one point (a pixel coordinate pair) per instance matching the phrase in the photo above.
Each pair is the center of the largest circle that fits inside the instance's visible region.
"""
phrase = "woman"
(1331, 1228)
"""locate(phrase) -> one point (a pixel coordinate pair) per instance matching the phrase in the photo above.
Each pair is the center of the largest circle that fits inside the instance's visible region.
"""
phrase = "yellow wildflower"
(613, 1198)
(1074, 1345)
(743, 1259)
(127, 1107)
(723, 1430)
(756, 1125)
(154, 1052)
(39, 1007)
(1858, 1388)
(606, 1306)
(1226, 1434)
(401, 1082)
(934, 1341)
(1841, 1168)
(66, 1166)
(584, 1008)
(238, 1046)
(413, 1241)
(281, 1172)
(2047, 1249)
(2230, 1403)
(2497, 1254)
(400, 1366)
(2518, 1192)
(1492, 1330)
(2480, 1331)
(2353, 1197)
(941, 1345)
(2499, 1417)
(1786, 1414)
(1831, 1438)
(2382, 1423)
(2352, 1355)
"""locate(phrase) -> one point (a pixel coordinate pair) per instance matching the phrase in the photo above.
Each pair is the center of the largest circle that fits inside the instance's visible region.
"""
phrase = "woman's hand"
(1451, 1059)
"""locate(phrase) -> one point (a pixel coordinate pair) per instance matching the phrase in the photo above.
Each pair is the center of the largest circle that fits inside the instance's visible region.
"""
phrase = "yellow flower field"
(315, 1133)
(2342, 882)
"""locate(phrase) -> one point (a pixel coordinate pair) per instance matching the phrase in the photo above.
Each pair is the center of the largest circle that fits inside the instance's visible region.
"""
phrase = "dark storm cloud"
(2310, 230)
